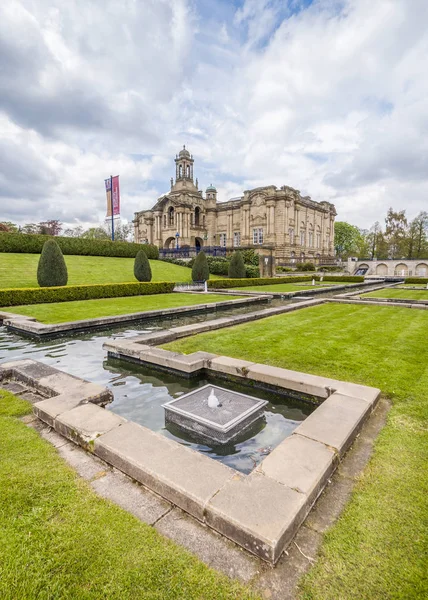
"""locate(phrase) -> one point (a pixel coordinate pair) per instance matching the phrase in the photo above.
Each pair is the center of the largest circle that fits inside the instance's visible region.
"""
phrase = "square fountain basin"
(236, 413)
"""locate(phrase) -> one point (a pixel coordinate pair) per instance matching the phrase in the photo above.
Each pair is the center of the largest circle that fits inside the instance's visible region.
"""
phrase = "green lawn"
(59, 540)
(20, 270)
(60, 312)
(397, 293)
(378, 547)
(285, 287)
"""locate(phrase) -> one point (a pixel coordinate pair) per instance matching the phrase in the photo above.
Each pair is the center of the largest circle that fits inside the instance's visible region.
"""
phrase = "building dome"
(211, 188)
(184, 153)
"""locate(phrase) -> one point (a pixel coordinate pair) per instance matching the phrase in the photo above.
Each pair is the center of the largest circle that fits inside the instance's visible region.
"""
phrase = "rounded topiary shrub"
(142, 269)
(52, 270)
(236, 266)
(307, 266)
(200, 270)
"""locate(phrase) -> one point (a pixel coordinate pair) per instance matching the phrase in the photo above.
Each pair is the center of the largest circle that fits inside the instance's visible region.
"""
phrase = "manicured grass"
(397, 293)
(60, 312)
(58, 540)
(378, 547)
(286, 287)
(20, 270)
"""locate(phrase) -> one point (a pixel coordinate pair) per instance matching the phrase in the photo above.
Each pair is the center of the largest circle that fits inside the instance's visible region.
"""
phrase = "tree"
(142, 269)
(200, 270)
(123, 232)
(75, 232)
(30, 228)
(52, 270)
(95, 233)
(51, 227)
(9, 227)
(236, 266)
(378, 247)
(418, 237)
(395, 233)
(346, 239)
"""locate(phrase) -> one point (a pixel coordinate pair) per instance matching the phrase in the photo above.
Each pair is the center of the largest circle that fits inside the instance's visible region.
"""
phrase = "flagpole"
(111, 202)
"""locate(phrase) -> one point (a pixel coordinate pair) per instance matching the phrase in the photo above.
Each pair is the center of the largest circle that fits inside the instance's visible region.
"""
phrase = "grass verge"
(378, 548)
(59, 540)
(61, 312)
(20, 270)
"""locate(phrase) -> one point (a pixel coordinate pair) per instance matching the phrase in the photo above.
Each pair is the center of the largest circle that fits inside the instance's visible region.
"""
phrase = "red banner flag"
(113, 182)
(116, 195)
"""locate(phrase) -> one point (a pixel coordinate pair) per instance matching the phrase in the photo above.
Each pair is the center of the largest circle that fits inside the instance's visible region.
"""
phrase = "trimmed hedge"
(18, 296)
(231, 283)
(416, 280)
(33, 244)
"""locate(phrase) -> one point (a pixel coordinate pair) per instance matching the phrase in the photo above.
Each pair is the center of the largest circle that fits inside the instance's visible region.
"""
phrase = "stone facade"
(389, 268)
(296, 227)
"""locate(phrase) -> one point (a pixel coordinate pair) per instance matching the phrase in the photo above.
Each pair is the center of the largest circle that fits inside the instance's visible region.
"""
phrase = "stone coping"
(32, 327)
(397, 300)
(319, 289)
(382, 302)
(261, 511)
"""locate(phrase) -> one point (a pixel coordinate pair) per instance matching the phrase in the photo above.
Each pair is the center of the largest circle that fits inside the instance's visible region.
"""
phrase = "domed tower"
(211, 195)
(184, 166)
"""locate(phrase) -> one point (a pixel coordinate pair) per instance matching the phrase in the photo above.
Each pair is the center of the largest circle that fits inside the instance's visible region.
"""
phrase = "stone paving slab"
(209, 546)
(49, 409)
(182, 476)
(140, 502)
(300, 463)
(84, 423)
(230, 366)
(258, 513)
(336, 422)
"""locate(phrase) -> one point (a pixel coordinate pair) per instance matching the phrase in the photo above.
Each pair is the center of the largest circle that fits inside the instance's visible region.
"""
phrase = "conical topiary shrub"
(52, 270)
(236, 266)
(142, 269)
(200, 269)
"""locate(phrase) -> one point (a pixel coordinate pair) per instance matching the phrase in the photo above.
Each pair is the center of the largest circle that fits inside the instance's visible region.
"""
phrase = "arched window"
(197, 212)
(171, 216)
(188, 171)
(302, 237)
(180, 171)
(318, 237)
(164, 220)
(291, 234)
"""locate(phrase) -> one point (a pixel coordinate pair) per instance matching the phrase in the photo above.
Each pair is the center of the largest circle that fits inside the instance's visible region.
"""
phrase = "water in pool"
(139, 393)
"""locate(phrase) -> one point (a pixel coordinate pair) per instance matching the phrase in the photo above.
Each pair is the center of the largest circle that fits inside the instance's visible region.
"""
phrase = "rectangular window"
(258, 235)
(223, 239)
(236, 238)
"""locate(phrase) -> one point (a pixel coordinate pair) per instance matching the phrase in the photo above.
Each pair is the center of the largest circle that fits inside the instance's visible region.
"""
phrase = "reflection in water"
(139, 392)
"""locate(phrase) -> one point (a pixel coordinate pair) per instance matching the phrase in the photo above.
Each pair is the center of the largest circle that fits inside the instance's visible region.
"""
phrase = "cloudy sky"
(328, 96)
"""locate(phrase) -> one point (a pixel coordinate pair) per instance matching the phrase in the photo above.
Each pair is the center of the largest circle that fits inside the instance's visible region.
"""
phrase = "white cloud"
(329, 98)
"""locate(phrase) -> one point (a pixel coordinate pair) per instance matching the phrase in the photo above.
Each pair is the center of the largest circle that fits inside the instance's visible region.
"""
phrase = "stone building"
(295, 227)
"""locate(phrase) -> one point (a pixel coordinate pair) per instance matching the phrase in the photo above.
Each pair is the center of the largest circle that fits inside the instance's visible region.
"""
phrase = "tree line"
(122, 231)
(399, 238)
